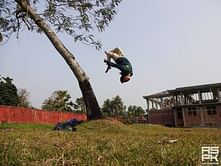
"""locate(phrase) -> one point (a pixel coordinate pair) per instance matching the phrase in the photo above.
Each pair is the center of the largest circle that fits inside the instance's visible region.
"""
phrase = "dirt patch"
(114, 120)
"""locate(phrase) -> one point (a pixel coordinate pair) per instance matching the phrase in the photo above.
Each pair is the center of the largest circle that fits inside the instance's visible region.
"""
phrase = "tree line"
(60, 100)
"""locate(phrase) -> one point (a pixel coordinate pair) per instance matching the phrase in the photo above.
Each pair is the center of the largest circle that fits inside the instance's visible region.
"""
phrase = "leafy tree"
(73, 17)
(107, 107)
(117, 105)
(114, 107)
(79, 105)
(58, 101)
(8, 92)
(135, 111)
(23, 98)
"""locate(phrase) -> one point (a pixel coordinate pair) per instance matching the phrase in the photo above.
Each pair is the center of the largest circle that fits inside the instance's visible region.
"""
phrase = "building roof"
(160, 94)
(199, 87)
(205, 87)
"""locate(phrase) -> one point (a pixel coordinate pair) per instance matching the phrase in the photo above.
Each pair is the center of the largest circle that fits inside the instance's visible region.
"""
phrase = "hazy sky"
(170, 43)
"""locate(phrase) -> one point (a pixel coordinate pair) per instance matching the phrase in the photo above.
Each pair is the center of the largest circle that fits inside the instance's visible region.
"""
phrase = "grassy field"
(103, 142)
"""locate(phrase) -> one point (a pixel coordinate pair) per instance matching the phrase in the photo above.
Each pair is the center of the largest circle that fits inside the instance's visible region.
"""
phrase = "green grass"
(24, 126)
(103, 142)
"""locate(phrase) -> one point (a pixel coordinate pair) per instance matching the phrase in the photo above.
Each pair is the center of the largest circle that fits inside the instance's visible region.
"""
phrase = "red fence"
(27, 115)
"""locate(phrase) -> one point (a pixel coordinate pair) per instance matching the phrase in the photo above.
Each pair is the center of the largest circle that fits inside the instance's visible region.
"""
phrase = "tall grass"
(104, 142)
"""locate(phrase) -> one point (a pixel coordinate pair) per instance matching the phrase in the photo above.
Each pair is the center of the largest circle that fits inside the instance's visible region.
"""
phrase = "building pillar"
(200, 97)
(176, 101)
(184, 99)
(175, 117)
(148, 107)
(202, 117)
(181, 99)
(219, 95)
(184, 118)
(152, 104)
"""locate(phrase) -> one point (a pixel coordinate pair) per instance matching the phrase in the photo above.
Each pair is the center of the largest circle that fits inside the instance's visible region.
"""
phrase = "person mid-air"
(121, 63)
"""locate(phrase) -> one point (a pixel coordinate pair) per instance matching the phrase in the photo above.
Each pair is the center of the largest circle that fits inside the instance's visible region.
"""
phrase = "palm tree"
(59, 101)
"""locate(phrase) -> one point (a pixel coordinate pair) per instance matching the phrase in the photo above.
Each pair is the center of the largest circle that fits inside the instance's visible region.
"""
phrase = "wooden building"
(193, 106)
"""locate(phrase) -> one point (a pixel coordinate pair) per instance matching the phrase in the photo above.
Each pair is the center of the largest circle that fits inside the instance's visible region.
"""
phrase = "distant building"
(193, 106)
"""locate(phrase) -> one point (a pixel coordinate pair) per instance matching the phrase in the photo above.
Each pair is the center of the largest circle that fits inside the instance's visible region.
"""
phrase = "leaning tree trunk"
(92, 106)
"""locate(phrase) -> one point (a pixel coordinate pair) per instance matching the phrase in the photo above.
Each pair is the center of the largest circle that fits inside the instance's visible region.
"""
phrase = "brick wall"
(202, 118)
(26, 115)
(198, 117)
(162, 117)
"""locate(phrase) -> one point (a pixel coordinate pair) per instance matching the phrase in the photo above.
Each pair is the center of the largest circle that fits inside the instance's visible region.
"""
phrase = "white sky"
(170, 43)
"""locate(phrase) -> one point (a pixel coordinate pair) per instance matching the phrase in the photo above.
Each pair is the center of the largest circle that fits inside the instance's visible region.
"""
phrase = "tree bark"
(92, 106)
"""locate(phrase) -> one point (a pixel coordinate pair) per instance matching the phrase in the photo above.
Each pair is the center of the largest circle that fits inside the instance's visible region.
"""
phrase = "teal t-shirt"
(124, 65)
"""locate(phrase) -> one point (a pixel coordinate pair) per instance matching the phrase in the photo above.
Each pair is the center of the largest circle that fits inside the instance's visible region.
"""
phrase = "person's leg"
(114, 54)
(118, 51)
(111, 55)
